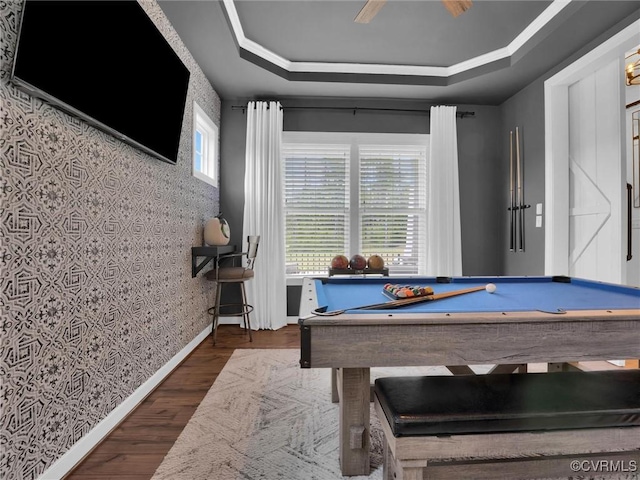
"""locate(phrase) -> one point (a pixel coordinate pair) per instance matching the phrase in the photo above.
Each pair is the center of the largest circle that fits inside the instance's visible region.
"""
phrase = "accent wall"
(96, 293)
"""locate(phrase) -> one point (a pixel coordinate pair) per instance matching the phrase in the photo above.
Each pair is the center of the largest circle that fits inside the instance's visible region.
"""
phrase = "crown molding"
(368, 72)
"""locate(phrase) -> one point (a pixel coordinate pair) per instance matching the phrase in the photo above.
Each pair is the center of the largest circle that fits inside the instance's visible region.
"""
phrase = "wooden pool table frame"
(352, 343)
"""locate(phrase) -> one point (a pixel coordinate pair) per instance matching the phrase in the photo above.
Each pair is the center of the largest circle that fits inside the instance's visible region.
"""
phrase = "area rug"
(266, 418)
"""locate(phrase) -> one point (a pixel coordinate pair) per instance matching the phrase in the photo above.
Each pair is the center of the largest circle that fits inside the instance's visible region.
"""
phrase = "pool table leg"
(510, 368)
(334, 386)
(560, 367)
(503, 368)
(460, 370)
(354, 392)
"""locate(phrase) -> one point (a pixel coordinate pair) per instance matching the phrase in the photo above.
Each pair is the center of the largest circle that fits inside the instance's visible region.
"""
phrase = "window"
(392, 213)
(354, 193)
(205, 147)
(316, 195)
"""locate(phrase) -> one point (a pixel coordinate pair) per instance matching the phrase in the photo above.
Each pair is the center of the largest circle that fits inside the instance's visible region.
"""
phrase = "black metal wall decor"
(516, 195)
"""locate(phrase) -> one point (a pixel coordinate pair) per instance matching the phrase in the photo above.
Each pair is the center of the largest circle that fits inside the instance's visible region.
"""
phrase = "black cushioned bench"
(510, 425)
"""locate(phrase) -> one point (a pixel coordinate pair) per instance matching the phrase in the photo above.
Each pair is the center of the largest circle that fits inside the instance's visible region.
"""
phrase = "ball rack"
(365, 271)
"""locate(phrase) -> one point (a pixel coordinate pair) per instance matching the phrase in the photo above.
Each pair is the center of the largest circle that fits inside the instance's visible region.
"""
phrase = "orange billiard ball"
(375, 262)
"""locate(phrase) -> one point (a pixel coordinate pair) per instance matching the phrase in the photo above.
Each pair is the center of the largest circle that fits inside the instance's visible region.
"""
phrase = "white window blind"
(392, 207)
(316, 196)
(348, 193)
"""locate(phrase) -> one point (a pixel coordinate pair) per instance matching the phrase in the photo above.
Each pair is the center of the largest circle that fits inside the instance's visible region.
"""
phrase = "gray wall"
(525, 111)
(482, 209)
(233, 133)
(481, 206)
(95, 239)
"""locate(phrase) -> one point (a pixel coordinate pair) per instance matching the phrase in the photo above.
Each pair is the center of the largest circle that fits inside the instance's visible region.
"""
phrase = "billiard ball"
(375, 262)
(340, 262)
(491, 287)
(358, 262)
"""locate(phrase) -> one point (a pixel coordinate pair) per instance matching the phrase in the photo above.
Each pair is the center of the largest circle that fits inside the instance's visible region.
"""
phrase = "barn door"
(595, 176)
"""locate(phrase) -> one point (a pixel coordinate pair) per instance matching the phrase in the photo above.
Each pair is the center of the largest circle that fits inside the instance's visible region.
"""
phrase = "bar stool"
(234, 274)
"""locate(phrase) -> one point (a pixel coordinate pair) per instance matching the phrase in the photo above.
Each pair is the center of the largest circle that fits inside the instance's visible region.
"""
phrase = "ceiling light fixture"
(632, 69)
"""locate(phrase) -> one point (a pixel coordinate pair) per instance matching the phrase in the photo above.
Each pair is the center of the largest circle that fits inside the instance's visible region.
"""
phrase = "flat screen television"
(107, 63)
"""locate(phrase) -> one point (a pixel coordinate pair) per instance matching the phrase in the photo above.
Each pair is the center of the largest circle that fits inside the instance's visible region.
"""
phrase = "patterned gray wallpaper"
(96, 291)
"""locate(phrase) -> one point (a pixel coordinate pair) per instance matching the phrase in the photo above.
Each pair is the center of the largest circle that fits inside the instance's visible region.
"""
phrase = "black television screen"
(107, 63)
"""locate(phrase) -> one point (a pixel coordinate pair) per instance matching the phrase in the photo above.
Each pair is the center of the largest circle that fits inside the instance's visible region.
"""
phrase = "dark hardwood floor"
(137, 446)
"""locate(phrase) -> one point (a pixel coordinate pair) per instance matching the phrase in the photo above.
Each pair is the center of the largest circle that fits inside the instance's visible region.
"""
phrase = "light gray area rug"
(266, 418)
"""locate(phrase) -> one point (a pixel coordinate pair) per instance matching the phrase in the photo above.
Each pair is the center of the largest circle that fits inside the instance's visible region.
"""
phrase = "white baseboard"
(82, 447)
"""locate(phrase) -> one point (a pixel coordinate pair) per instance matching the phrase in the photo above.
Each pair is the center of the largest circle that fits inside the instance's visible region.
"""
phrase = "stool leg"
(216, 315)
(247, 320)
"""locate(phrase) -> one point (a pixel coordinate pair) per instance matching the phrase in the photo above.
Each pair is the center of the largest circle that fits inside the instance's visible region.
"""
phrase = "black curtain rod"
(355, 109)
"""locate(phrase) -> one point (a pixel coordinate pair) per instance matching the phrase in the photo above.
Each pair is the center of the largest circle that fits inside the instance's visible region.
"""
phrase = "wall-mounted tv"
(107, 63)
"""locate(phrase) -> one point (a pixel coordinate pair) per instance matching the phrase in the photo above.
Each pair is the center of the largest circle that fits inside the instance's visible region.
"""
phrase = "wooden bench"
(510, 426)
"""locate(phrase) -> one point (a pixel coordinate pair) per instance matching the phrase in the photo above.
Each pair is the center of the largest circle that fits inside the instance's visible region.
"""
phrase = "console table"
(209, 253)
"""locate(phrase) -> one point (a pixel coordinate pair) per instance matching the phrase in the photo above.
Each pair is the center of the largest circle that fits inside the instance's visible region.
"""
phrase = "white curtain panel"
(444, 244)
(263, 214)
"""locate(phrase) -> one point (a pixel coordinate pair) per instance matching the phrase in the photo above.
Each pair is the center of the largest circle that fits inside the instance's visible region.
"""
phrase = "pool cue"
(398, 303)
(512, 224)
(520, 193)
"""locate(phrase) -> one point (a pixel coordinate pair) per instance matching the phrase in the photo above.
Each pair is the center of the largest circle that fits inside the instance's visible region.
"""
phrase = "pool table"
(526, 320)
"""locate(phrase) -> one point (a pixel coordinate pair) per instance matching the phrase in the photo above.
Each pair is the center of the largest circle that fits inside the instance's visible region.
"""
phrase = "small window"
(205, 147)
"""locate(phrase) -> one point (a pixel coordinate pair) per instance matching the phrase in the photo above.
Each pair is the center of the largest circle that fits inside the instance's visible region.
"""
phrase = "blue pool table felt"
(513, 294)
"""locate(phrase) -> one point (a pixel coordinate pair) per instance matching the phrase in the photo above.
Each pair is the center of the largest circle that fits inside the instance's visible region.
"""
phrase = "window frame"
(210, 154)
(355, 140)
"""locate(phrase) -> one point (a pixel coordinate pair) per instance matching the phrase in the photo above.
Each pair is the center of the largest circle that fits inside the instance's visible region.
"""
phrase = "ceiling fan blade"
(370, 9)
(456, 7)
